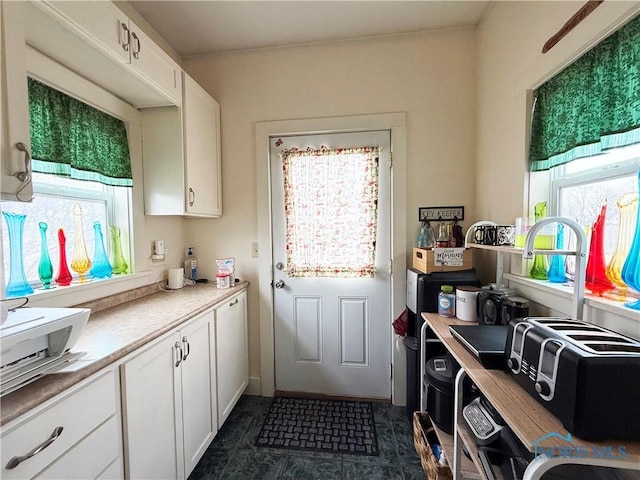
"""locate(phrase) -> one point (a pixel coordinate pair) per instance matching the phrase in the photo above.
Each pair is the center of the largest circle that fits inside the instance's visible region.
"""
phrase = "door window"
(331, 206)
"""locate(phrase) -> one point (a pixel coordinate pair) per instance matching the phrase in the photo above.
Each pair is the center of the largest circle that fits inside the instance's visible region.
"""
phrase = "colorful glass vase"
(45, 268)
(117, 258)
(18, 284)
(101, 268)
(539, 268)
(596, 278)
(80, 262)
(63, 279)
(628, 207)
(557, 272)
(631, 267)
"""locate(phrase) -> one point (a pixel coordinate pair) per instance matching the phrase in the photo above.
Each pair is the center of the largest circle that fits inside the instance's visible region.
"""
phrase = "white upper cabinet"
(98, 41)
(201, 119)
(181, 156)
(15, 180)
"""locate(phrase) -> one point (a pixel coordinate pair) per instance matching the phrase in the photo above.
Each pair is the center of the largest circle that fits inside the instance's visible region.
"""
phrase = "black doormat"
(336, 426)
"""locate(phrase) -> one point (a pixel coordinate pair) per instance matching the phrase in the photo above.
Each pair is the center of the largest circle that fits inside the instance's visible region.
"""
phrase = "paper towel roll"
(176, 278)
(466, 302)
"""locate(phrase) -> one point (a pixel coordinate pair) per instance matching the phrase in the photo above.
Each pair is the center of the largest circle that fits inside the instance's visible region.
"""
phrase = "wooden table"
(528, 419)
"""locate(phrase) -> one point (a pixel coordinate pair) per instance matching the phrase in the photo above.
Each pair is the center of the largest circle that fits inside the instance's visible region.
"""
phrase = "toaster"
(583, 374)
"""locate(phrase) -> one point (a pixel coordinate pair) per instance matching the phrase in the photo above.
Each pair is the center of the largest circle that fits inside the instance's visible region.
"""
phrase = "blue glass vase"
(18, 285)
(45, 268)
(631, 267)
(557, 272)
(100, 268)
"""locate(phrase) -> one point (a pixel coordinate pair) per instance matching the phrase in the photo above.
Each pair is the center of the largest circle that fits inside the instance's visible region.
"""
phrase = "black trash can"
(413, 376)
(441, 373)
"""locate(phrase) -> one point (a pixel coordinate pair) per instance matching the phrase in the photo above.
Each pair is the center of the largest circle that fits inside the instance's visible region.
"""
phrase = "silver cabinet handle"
(234, 303)
(125, 45)
(279, 284)
(187, 349)
(24, 177)
(178, 346)
(136, 53)
(192, 197)
(15, 461)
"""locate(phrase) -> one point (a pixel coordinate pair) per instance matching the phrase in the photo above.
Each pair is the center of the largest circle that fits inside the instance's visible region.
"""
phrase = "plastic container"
(191, 265)
(222, 280)
(447, 301)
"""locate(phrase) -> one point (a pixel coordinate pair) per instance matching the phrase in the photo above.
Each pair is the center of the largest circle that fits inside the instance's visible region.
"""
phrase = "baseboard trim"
(254, 387)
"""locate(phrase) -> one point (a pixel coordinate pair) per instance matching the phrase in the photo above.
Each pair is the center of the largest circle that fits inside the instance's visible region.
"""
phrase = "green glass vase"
(45, 267)
(540, 267)
(119, 264)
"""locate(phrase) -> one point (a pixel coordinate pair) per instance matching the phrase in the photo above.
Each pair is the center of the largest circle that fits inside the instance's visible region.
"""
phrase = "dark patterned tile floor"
(233, 454)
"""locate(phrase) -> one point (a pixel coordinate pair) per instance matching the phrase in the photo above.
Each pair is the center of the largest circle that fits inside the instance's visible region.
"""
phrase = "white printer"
(36, 341)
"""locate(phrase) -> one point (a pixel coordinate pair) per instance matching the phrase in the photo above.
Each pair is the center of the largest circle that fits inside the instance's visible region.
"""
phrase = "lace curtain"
(331, 208)
(592, 105)
(72, 139)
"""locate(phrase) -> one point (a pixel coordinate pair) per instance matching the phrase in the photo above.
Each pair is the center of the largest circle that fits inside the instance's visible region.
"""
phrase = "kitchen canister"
(466, 303)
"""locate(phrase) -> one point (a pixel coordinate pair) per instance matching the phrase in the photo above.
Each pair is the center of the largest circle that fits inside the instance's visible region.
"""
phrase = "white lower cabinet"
(169, 402)
(79, 432)
(232, 353)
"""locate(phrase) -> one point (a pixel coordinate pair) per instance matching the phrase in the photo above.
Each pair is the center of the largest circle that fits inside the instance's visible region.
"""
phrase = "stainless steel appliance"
(492, 301)
(585, 375)
(36, 341)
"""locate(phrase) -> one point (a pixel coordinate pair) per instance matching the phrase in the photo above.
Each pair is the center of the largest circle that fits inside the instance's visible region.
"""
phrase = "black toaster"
(585, 375)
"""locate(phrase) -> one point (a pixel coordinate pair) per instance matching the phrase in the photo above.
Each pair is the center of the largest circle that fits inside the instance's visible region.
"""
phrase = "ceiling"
(204, 27)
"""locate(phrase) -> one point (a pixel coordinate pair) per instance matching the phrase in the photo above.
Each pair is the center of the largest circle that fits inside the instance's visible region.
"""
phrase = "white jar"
(222, 280)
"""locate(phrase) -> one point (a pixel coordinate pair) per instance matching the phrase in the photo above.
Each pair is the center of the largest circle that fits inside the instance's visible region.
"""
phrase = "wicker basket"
(430, 465)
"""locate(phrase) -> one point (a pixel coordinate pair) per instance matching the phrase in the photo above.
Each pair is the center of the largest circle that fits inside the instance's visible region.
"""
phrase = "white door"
(332, 334)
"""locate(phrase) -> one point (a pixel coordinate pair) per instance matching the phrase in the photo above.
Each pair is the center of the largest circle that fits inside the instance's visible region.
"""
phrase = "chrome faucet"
(580, 253)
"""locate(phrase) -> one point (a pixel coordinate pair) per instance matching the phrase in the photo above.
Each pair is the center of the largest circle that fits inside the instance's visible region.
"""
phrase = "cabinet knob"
(125, 44)
(15, 461)
(192, 197)
(187, 348)
(178, 347)
(136, 42)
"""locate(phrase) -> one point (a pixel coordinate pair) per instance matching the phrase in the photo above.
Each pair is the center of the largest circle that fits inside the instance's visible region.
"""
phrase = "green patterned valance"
(69, 138)
(592, 105)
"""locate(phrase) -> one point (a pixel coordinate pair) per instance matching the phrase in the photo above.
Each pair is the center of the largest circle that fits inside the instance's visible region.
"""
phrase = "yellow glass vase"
(80, 262)
(628, 206)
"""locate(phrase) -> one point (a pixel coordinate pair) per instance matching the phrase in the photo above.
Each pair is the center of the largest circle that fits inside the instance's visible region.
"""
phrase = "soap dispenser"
(191, 265)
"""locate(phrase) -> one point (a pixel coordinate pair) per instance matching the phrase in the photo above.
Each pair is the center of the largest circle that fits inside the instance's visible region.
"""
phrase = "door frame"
(396, 123)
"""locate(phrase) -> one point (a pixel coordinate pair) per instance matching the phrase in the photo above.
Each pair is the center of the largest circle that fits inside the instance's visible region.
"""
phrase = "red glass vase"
(64, 275)
(596, 277)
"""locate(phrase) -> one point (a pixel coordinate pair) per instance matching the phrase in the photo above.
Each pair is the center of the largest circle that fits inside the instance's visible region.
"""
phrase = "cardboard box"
(424, 260)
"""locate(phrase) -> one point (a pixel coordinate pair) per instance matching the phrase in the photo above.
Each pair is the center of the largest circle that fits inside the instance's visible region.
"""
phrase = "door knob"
(279, 284)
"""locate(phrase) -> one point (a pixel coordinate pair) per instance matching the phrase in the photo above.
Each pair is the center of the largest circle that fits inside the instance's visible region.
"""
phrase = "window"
(54, 199)
(579, 189)
(83, 160)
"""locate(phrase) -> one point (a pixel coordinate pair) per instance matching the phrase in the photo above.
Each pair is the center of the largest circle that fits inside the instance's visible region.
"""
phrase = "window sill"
(557, 298)
(76, 294)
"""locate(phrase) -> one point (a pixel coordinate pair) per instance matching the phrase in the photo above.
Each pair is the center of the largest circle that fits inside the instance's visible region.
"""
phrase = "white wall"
(510, 40)
(431, 76)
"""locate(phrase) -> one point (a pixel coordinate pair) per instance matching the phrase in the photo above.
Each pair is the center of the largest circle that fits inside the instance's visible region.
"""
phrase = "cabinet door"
(102, 22)
(152, 62)
(152, 411)
(201, 117)
(199, 413)
(231, 353)
(14, 104)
